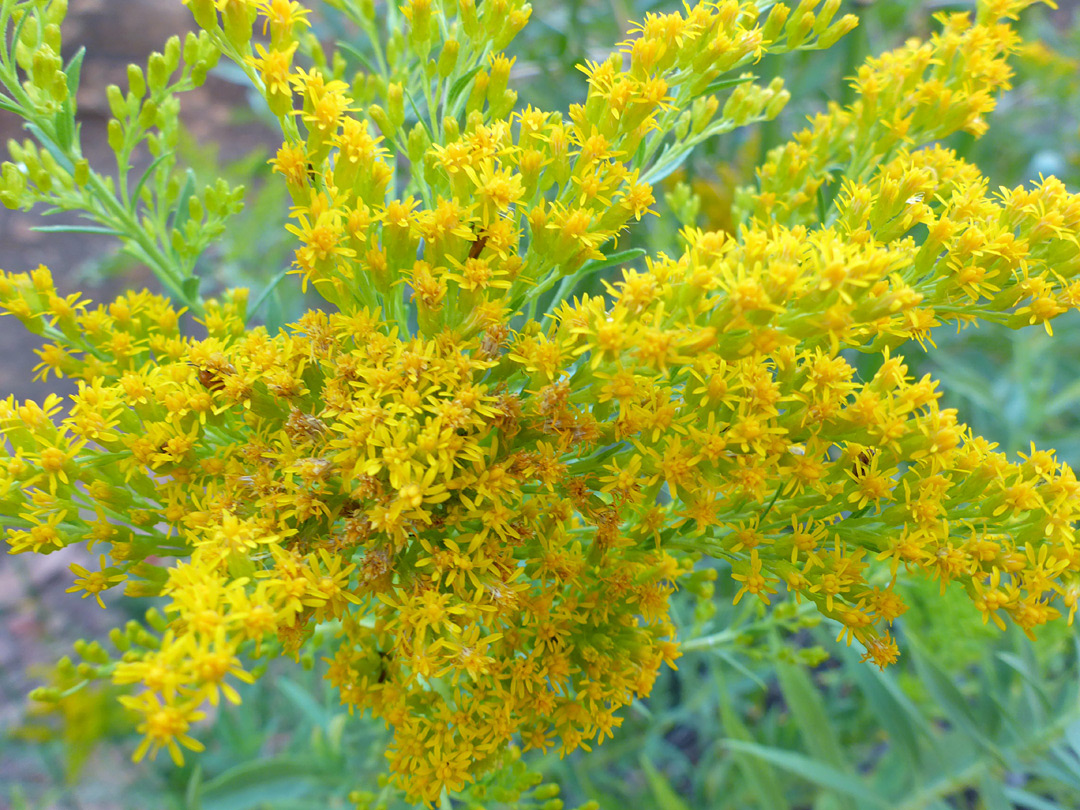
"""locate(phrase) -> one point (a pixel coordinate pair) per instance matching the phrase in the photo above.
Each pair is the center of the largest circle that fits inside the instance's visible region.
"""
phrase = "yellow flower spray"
(480, 487)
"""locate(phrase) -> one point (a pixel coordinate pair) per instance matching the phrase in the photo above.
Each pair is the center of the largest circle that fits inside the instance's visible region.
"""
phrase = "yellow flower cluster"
(486, 511)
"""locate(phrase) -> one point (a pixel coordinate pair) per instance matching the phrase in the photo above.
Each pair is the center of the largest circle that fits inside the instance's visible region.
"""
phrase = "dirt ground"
(38, 620)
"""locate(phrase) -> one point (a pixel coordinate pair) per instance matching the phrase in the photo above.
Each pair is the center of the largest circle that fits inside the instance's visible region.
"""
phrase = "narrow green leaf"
(460, 85)
(190, 287)
(301, 698)
(73, 71)
(63, 123)
(806, 705)
(734, 662)
(762, 779)
(76, 229)
(193, 793)
(1029, 801)
(351, 49)
(941, 688)
(665, 796)
(419, 117)
(622, 257)
(1021, 667)
(146, 175)
(267, 291)
(812, 770)
(1065, 400)
(991, 790)
(723, 84)
(182, 212)
(893, 710)
(254, 783)
(669, 161)
(54, 150)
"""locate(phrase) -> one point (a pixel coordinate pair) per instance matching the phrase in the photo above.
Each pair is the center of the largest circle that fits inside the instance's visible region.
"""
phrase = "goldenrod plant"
(475, 483)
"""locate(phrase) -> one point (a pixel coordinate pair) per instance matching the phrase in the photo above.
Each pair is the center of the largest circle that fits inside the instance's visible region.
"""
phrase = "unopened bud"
(395, 104)
(116, 136)
(136, 81)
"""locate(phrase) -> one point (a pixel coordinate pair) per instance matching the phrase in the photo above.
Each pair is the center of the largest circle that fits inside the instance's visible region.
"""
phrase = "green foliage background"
(771, 713)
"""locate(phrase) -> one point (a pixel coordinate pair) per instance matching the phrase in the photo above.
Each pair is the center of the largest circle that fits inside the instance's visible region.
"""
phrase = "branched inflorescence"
(486, 508)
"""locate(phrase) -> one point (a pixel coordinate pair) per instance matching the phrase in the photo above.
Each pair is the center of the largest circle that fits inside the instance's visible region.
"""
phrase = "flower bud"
(451, 129)
(204, 12)
(479, 92)
(778, 100)
(148, 115)
(395, 104)
(500, 76)
(798, 28)
(116, 136)
(50, 37)
(119, 640)
(115, 97)
(702, 112)
(382, 120)
(469, 21)
(172, 53)
(237, 18)
(825, 15)
(136, 81)
(195, 209)
(774, 24)
(840, 28)
(158, 69)
(192, 48)
(56, 12)
(448, 58)
(418, 143)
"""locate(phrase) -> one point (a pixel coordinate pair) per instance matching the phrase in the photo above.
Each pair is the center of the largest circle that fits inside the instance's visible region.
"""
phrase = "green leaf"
(190, 287)
(54, 150)
(1029, 801)
(622, 257)
(267, 291)
(193, 793)
(351, 49)
(992, 793)
(182, 212)
(146, 175)
(811, 770)
(722, 84)
(806, 705)
(76, 229)
(1022, 668)
(669, 161)
(73, 71)
(419, 117)
(460, 86)
(257, 784)
(64, 124)
(943, 691)
(761, 777)
(894, 711)
(301, 698)
(666, 797)
(1065, 400)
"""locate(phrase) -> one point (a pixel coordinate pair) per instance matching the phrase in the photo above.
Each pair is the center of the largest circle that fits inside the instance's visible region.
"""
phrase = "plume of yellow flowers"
(483, 487)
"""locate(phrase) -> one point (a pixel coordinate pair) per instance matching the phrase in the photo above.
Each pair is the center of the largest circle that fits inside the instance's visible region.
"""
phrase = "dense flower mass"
(483, 486)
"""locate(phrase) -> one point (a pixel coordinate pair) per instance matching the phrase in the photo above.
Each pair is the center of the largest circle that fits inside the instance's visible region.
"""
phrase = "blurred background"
(771, 713)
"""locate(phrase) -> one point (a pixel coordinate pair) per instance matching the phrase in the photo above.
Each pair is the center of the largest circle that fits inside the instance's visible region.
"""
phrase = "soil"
(38, 619)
